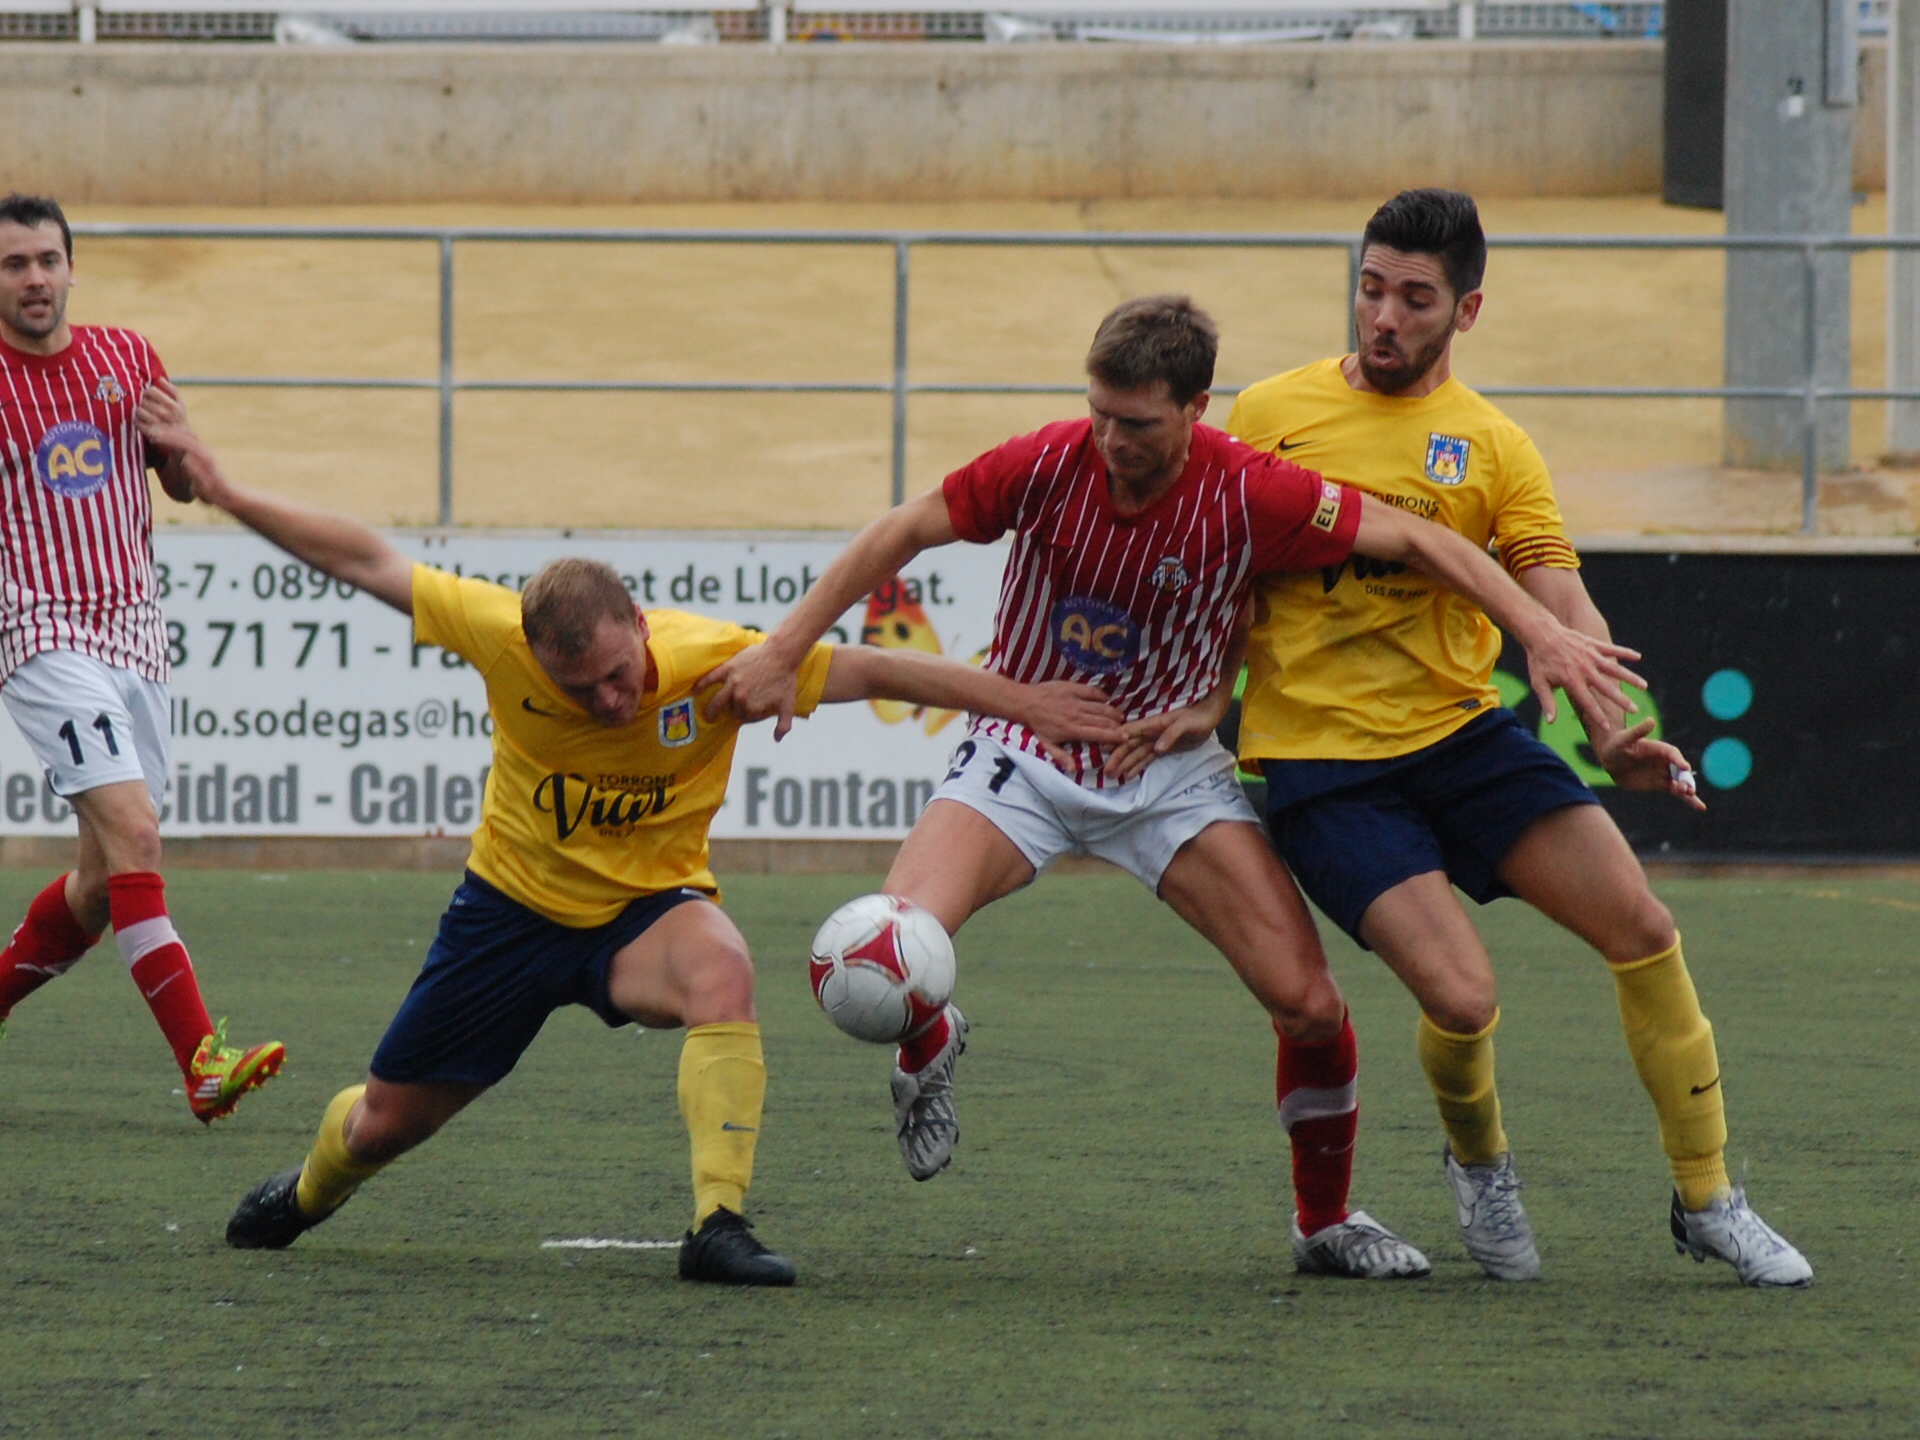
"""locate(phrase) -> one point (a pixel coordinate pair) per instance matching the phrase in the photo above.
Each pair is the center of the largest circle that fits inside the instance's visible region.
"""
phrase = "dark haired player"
(1136, 532)
(588, 883)
(83, 650)
(1394, 774)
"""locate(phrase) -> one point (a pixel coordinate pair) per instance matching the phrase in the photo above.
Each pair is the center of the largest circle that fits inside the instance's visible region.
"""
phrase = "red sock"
(158, 960)
(1320, 1111)
(919, 1049)
(48, 943)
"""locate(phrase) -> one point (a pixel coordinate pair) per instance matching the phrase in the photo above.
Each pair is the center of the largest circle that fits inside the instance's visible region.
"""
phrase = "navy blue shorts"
(1351, 830)
(494, 974)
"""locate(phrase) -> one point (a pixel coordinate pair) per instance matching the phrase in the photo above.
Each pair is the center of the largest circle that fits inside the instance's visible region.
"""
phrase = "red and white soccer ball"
(882, 967)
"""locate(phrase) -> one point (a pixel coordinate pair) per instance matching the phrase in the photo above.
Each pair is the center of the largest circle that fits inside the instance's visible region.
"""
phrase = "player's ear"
(1197, 406)
(1468, 310)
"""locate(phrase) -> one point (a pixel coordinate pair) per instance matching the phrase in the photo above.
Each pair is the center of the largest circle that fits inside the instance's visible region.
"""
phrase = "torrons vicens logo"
(574, 800)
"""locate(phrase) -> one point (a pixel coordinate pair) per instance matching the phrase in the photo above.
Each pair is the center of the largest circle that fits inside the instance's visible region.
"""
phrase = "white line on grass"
(588, 1243)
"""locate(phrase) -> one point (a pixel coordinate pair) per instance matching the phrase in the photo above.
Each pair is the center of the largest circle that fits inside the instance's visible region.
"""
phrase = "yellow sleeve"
(1527, 526)
(472, 618)
(813, 678)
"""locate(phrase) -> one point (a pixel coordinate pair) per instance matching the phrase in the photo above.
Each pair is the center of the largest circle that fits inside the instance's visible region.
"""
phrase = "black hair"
(1445, 223)
(33, 211)
(1158, 338)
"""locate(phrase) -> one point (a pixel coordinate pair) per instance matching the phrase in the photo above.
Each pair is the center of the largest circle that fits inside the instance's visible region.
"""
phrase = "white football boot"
(1728, 1230)
(923, 1115)
(1358, 1248)
(1493, 1226)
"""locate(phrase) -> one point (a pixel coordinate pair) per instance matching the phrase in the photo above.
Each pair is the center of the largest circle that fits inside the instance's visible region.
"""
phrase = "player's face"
(1406, 315)
(1142, 434)
(35, 276)
(609, 678)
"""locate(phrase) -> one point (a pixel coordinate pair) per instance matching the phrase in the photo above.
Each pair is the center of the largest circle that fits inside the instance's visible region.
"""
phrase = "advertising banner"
(1792, 683)
(301, 707)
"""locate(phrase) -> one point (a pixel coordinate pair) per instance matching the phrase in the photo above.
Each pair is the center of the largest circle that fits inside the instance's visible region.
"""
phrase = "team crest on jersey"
(73, 459)
(1170, 575)
(677, 726)
(109, 389)
(1095, 635)
(1446, 459)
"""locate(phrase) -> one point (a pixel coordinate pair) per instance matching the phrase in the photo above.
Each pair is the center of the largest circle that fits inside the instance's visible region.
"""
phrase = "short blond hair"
(564, 604)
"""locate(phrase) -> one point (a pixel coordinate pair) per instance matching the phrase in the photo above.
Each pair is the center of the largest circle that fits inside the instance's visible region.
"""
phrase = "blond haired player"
(1394, 774)
(588, 882)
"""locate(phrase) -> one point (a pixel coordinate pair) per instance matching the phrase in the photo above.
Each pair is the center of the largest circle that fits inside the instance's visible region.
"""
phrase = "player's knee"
(1646, 929)
(380, 1133)
(721, 988)
(134, 847)
(1465, 1009)
(1312, 1014)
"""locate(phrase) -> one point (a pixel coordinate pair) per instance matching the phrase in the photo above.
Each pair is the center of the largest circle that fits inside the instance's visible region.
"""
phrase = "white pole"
(1903, 218)
(88, 23)
(776, 24)
(1468, 21)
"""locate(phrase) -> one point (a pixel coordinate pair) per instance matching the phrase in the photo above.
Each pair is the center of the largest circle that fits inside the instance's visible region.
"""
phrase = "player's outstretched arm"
(1587, 667)
(1155, 735)
(761, 681)
(1057, 711)
(1629, 754)
(337, 544)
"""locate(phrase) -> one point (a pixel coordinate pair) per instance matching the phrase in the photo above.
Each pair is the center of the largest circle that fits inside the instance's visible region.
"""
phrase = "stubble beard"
(20, 324)
(1404, 377)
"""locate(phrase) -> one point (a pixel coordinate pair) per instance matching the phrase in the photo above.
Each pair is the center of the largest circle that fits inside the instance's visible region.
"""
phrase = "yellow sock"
(723, 1084)
(1460, 1070)
(1672, 1048)
(331, 1173)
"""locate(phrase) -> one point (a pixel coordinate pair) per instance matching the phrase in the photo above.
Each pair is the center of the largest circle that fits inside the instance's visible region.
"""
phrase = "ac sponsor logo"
(1446, 459)
(1095, 635)
(677, 725)
(74, 460)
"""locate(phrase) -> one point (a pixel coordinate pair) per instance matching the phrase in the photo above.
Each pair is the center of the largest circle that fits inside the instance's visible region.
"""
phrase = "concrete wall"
(259, 125)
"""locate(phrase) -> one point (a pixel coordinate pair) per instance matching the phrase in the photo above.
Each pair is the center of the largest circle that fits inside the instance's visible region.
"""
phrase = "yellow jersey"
(1372, 660)
(580, 819)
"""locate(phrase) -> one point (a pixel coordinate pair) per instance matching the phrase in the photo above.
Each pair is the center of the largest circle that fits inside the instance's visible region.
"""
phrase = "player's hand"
(1147, 740)
(1059, 712)
(752, 685)
(1588, 669)
(1637, 761)
(161, 418)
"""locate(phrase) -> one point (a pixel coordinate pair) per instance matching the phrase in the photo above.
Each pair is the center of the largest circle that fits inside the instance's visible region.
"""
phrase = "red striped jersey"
(76, 519)
(1143, 605)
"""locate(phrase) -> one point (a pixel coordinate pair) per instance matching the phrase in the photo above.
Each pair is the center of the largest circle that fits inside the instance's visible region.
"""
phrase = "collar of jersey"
(1399, 404)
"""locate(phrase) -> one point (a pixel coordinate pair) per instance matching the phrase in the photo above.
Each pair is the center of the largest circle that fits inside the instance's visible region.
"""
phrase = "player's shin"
(723, 1084)
(1317, 1089)
(1460, 1071)
(1672, 1047)
(47, 944)
(332, 1172)
(158, 961)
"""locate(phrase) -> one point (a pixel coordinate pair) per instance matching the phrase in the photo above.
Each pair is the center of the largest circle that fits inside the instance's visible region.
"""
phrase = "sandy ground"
(824, 313)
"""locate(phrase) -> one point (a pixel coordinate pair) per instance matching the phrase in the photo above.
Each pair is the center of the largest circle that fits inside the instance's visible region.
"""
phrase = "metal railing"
(901, 386)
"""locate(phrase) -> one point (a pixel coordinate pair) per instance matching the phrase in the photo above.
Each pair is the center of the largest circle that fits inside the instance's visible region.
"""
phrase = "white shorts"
(90, 723)
(1139, 826)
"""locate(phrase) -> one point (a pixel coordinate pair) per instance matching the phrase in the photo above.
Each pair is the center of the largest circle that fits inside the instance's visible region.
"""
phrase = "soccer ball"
(882, 968)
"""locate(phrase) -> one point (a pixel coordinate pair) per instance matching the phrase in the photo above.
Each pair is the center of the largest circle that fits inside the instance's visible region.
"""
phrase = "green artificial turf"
(1107, 1256)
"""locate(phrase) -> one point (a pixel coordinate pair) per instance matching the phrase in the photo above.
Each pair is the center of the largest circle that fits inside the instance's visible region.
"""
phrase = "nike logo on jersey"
(1702, 1089)
(729, 1125)
(1286, 445)
(533, 709)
